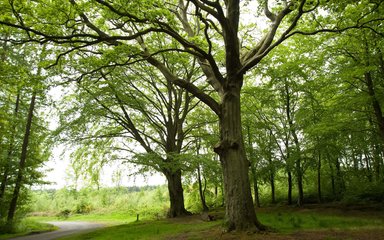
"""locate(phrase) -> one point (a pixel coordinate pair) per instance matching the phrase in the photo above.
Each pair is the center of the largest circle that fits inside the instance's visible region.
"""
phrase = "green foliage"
(146, 201)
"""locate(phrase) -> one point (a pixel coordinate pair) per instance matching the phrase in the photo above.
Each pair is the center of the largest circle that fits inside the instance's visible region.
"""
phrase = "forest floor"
(311, 222)
(331, 222)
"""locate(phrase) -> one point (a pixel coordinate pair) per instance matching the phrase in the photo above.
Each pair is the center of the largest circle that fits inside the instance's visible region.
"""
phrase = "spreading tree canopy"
(220, 34)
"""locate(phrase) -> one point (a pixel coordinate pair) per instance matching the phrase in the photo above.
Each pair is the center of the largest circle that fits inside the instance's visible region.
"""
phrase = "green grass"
(28, 226)
(112, 218)
(154, 229)
(290, 221)
(284, 220)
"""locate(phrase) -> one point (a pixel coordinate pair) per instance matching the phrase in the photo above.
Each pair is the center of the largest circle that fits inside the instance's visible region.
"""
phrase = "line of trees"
(148, 74)
(24, 141)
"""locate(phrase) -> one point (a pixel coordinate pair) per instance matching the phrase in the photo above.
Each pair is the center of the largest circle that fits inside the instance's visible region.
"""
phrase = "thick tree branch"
(211, 103)
(268, 13)
(208, 66)
(255, 55)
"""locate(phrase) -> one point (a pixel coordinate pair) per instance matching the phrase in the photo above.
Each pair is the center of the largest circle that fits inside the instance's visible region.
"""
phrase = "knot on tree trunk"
(225, 145)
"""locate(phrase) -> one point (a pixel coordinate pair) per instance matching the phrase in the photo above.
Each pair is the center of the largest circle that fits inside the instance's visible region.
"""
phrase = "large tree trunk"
(240, 211)
(176, 196)
(375, 104)
(23, 158)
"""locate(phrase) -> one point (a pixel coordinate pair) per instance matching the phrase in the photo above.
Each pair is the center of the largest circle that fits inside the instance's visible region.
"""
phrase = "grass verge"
(28, 226)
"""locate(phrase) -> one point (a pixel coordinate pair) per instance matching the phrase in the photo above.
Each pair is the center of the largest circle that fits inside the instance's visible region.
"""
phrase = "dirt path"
(65, 228)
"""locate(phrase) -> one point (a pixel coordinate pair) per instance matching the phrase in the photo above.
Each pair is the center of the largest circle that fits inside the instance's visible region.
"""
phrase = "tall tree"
(22, 162)
(152, 112)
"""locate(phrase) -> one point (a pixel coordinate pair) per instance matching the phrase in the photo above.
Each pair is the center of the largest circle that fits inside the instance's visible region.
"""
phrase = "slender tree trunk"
(377, 161)
(299, 176)
(4, 179)
(176, 196)
(319, 197)
(216, 190)
(23, 158)
(298, 168)
(201, 191)
(332, 179)
(253, 168)
(240, 211)
(289, 187)
(289, 172)
(340, 179)
(272, 182)
(368, 159)
(255, 186)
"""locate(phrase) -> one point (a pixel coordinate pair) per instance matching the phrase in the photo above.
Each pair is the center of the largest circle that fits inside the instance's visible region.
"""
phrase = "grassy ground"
(312, 222)
(113, 218)
(28, 226)
(154, 229)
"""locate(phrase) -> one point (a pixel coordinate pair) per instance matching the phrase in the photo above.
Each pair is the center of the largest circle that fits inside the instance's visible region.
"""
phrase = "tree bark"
(8, 159)
(332, 178)
(255, 186)
(23, 158)
(319, 197)
(240, 211)
(289, 172)
(289, 187)
(298, 168)
(340, 179)
(272, 182)
(176, 197)
(201, 191)
(375, 104)
(253, 169)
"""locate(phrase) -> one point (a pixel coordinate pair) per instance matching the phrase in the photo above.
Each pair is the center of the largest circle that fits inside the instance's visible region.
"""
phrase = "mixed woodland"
(239, 104)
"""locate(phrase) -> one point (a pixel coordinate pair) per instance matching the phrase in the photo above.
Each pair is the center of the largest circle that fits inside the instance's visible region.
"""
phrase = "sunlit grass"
(282, 221)
(154, 229)
(112, 218)
(285, 221)
(28, 226)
